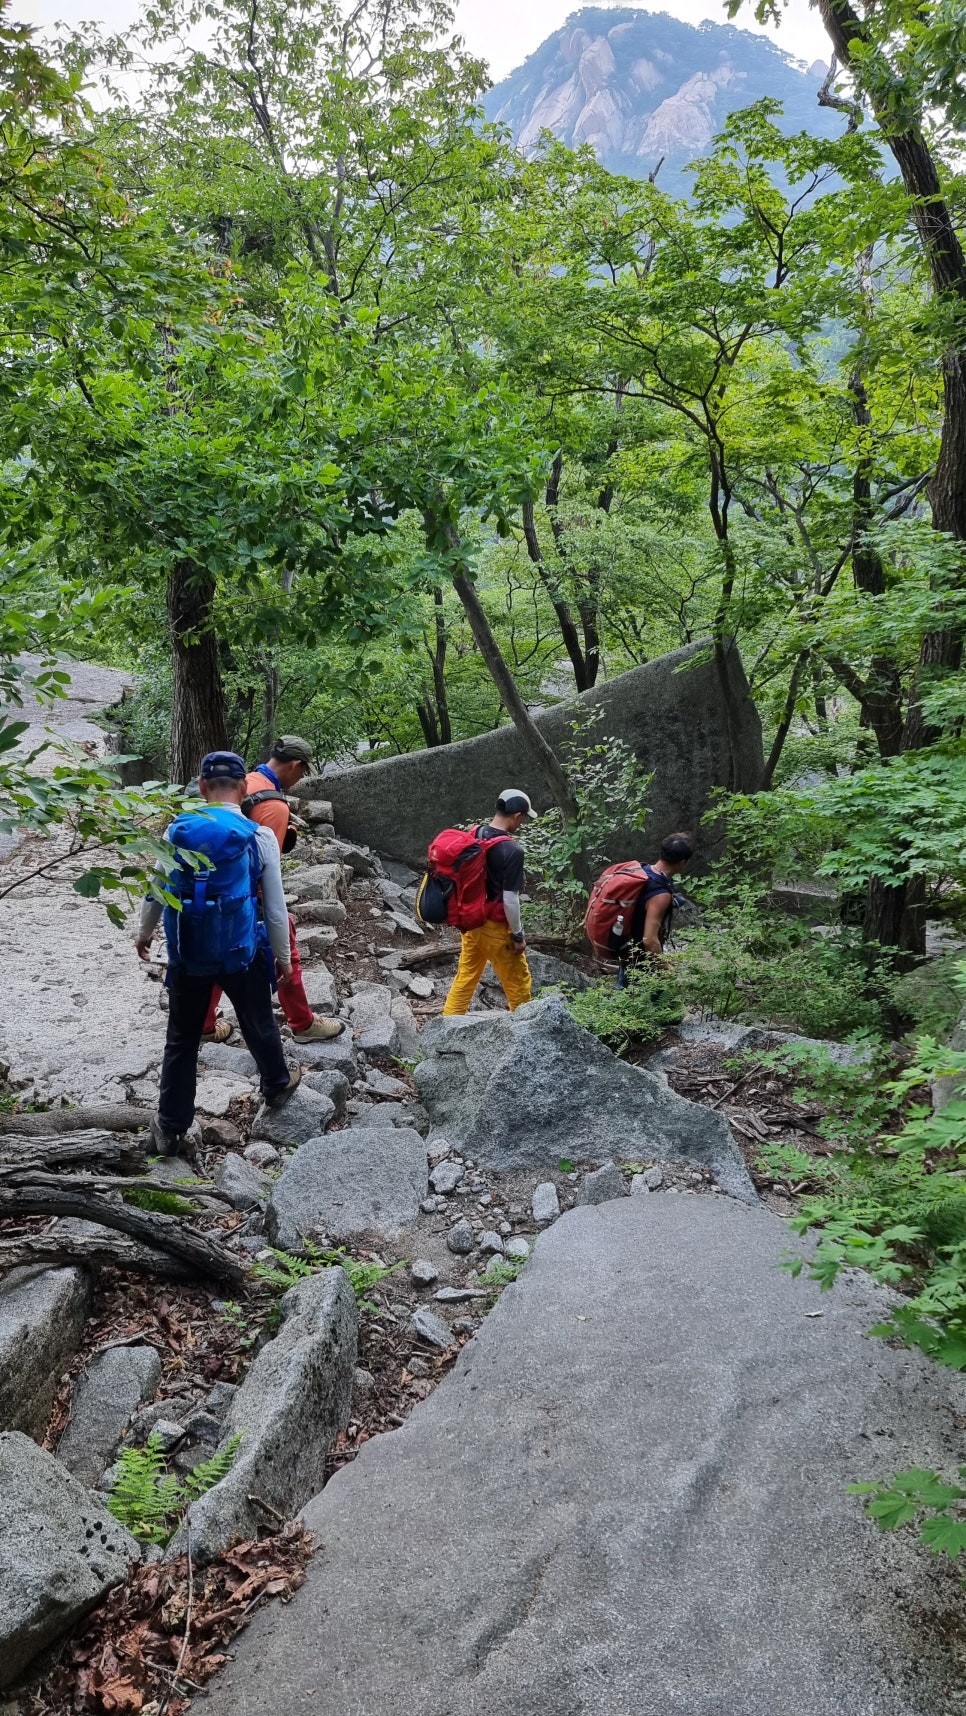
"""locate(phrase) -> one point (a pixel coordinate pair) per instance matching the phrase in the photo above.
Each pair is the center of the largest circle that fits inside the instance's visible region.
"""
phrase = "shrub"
(611, 795)
(625, 1018)
(747, 963)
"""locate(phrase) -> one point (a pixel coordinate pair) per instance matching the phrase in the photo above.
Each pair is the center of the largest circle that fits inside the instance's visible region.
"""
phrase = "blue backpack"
(217, 928)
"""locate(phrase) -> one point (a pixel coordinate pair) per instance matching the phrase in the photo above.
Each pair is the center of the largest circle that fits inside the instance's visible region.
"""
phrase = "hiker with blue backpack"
(631, 906)
(219, 936)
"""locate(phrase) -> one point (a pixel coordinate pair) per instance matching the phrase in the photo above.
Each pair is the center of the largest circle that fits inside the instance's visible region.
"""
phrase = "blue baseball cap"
(222, 766)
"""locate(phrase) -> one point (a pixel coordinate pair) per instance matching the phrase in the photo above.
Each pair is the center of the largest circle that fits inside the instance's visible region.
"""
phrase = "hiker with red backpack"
(631, 906)
(266, 803)
(217, 935)
(474, 881)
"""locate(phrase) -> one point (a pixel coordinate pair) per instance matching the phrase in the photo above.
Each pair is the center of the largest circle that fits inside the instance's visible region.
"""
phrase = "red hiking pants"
(298, 1013)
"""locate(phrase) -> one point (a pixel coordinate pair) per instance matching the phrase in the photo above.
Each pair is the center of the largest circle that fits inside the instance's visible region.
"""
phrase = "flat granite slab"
(629, 1499)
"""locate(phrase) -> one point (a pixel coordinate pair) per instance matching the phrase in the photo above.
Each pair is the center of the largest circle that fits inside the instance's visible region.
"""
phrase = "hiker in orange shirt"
(265, 803)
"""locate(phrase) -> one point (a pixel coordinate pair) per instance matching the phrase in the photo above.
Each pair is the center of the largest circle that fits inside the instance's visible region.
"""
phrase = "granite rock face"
(520, 1090)
(670, 712)
(629, 1497)
(369, 1179)
(106, 1397)
(60, 1552)
(289, 1410)
(42, 1315)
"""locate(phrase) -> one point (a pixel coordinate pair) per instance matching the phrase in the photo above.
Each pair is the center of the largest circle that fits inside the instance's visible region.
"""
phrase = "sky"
(502, 32)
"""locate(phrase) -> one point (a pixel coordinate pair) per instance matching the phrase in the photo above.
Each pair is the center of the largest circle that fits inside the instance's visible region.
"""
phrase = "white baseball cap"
(511, 801)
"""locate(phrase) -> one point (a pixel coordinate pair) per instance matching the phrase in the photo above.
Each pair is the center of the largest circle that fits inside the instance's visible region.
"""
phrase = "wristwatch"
(518, 935)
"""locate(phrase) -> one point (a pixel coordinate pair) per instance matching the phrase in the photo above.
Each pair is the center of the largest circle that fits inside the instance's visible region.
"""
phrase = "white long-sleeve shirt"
(274, 907)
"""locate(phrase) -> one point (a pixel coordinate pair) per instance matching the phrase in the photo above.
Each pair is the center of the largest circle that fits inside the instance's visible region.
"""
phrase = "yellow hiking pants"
(491, 942)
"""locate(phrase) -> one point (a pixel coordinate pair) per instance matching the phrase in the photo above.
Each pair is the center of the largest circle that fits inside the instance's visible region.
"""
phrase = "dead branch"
(97, 1249)
(109, 1117)
(167, 1233)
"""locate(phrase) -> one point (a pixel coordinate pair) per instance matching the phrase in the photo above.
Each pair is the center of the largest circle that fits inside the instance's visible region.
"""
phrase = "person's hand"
(283, 971)
(518, 943)
(143, 949)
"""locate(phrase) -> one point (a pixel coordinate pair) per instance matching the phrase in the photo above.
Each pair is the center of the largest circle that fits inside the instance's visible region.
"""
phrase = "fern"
(289, 1270)
(150, 1501)
(145, 1496)
(210, 1472)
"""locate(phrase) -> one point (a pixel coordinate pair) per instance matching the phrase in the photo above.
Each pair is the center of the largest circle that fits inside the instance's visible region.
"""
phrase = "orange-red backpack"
(607, 921)
(453, 890)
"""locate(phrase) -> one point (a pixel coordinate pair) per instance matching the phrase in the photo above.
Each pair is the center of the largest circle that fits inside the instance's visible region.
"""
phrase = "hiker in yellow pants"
(500, 938)
(491, 943)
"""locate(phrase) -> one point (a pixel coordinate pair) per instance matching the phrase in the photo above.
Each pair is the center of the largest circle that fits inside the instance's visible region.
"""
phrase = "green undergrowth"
(288, 1270)
(888, 1195)
(746, 962)
(151, 1501)
(631, 1017)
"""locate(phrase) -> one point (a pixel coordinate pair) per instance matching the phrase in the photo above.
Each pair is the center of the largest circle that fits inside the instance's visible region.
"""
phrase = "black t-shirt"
(504, 863)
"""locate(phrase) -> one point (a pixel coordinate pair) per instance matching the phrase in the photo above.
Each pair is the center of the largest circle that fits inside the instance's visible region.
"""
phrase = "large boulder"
(60, 1552)
(520, 1090)
(292, 1405)
(106, 1397)
(347, 1183)
(42, 1316)
(672, 713)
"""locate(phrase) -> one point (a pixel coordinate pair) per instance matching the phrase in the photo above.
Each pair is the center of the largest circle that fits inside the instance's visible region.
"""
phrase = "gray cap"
(511, 801)
(289, 748)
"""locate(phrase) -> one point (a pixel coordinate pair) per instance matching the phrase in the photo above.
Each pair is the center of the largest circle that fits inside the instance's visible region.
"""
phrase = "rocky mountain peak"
(641, 86)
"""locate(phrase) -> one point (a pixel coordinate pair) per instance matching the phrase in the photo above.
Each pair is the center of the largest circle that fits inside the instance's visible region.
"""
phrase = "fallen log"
(109, 1117)
(85, 1149)
(97, 1249)
(205, 1255)
(12, 1174)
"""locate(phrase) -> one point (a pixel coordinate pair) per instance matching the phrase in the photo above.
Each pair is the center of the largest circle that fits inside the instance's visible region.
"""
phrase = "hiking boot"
(294, 1080)
(165, 1143)
(320, 1031)
(220, 1034)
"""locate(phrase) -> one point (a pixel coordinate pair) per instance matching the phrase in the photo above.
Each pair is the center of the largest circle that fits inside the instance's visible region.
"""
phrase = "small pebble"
(518, 1249)
(461, 1238)
(423, 1273)
(492, 1242)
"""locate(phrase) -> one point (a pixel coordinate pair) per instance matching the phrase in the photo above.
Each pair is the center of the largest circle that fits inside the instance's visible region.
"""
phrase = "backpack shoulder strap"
(252, 800)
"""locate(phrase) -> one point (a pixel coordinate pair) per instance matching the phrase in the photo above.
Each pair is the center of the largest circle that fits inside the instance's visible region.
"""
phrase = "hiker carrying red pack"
(474, 881)
(631, 906)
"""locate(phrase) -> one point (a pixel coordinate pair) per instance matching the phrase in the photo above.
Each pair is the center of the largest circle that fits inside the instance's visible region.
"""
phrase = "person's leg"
(211, 1017)
(292, 1000)
(473, 957)
(510, 966)
(250, 993)
(187, 1005)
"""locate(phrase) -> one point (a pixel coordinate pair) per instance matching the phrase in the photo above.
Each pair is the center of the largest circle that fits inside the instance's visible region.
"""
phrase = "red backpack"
(453, 890)
(607, 922)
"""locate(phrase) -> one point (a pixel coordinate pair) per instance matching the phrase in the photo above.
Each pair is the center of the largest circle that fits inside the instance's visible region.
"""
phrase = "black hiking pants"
(250, 993)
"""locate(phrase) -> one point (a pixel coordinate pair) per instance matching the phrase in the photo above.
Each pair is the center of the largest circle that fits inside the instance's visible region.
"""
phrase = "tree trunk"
(947, 266)
(787, 715)
(269, 708)
(198, 722)
(433, 710)
(541, 753)
(895, 918)
(565, 619)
